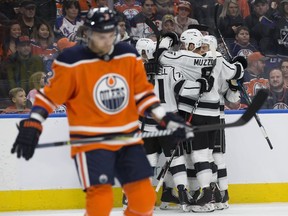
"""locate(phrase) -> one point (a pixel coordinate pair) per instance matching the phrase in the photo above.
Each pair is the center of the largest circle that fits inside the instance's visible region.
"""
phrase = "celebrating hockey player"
(164, 80)
(229, 93)
(105, 89)
(199, 100)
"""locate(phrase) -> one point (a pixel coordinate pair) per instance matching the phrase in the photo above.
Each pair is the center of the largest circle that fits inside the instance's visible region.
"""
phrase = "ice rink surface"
(274, 209)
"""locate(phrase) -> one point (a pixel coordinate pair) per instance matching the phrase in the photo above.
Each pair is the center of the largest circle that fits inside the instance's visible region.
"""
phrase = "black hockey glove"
(206, 84)
(152, 68)
(27, 139)
(241, 59)
(173, 121)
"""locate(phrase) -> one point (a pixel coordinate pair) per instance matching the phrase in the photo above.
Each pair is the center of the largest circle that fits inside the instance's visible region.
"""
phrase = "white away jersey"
(193, 66)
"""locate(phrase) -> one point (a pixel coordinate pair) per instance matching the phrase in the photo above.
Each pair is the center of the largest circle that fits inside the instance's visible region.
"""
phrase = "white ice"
(273, 209)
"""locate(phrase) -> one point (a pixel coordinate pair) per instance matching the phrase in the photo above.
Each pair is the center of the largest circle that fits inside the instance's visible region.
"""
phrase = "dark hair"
(283, 60)
(35, 34)
(68, 4)
(241, 28)
(7, 38)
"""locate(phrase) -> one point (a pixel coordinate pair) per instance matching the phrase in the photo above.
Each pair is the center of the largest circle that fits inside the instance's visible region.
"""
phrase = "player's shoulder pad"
(122, 48)
(74, 54)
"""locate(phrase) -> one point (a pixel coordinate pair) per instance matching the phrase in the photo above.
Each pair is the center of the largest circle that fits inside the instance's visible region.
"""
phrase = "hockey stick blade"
(250, 112)
(256, 104)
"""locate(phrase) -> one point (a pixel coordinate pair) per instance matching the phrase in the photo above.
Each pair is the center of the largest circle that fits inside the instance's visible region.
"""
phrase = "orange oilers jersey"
(255, 84)
(102, 96)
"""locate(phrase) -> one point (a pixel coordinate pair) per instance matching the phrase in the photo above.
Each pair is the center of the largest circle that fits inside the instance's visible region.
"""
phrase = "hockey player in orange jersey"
(105, 88)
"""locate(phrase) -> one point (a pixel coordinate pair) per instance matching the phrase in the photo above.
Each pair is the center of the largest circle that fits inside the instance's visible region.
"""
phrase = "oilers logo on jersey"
(111, 93)
(280, 105)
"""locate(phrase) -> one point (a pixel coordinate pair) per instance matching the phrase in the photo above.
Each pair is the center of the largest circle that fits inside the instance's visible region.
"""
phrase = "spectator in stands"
(281, 31)
(230, 19)
(27, 17)
(166, 7)
(18, 98)
(85, 5)
(8, 47)
(243, 7)
(139, 29)
(242, 46)
(168, 24)
(36, 82)
(278, 94)
(253, 79)
(261, 25)
(43, 44)
(130, 8)
(101, 3)
(122, 33)
(46, 10)
(182, 20)
(284, 69)
(204, 11)
(22, 64)
(68, 24)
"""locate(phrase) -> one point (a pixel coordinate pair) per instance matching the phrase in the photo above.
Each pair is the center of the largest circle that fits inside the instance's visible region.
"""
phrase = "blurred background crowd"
(34, 32)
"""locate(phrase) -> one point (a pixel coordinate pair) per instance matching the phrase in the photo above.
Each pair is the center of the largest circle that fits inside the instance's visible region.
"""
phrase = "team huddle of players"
(194, 80)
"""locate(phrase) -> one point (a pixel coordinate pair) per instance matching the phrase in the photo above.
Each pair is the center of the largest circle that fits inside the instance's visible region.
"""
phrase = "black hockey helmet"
(101, 19)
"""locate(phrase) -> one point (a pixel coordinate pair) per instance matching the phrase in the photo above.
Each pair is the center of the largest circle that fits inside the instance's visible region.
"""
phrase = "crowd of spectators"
(34, 32)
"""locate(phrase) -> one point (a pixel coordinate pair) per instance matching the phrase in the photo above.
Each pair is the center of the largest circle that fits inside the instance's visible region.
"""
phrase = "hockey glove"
(233, 85)
(173, 121)
(27, 139)
(242, 60)
(174, 36)
(169, 40)
(206, 84)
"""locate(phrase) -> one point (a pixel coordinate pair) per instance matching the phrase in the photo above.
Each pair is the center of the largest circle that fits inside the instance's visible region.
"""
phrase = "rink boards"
(49, 180)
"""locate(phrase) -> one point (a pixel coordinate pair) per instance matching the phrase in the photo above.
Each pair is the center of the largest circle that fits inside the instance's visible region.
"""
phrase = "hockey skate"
(169, 200)
(225, 198)
(204, 202)
(184, 198)
(217, 197)
(194, 195)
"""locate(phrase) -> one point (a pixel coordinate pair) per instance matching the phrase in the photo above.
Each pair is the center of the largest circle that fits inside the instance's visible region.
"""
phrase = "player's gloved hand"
(233, 85)
(206, 84)
(241, 59)
(182, 129)
(27, 139)
(169, 40)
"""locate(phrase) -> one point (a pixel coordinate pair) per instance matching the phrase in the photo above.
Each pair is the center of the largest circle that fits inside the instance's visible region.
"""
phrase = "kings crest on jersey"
(111, 93)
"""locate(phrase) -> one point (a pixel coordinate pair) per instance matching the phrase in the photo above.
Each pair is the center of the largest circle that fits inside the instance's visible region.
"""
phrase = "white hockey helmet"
(191, 36)
(210, 40)
(148, 45)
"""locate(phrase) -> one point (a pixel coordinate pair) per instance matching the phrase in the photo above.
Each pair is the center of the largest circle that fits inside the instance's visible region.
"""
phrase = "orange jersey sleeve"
(102, 97)
(254, 85)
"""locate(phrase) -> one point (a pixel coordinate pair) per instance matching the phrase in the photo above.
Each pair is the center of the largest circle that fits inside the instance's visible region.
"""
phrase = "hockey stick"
(154, 28)
(250, 112)
(165, 168)
(243, 90)
(256, 116)
(252, 109)
(219, 32)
